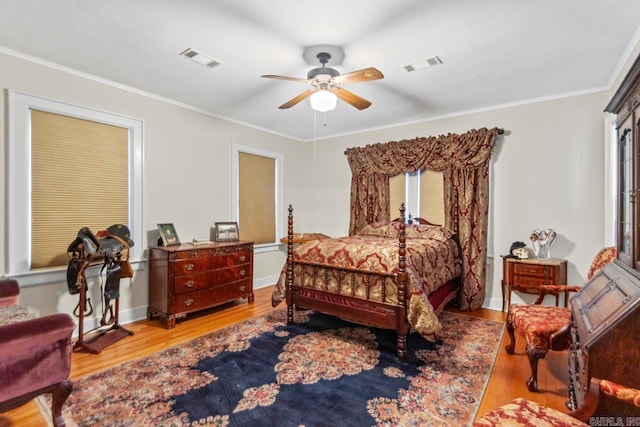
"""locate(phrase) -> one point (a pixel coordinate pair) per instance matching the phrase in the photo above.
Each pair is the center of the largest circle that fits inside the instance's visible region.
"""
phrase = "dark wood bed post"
(402, 327)
(289, 274)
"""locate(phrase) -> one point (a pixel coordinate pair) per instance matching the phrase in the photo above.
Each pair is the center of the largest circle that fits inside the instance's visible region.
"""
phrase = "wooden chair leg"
(534, 355)
(58, 397)
(510, 348)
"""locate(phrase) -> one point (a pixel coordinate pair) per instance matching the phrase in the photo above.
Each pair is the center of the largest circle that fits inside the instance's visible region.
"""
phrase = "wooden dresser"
(527, 275)
(605, 336)
(188, 278)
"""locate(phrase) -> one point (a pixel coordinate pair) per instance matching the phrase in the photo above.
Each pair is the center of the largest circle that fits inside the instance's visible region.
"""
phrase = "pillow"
(434, 232)
(392, 229)
(381, 229)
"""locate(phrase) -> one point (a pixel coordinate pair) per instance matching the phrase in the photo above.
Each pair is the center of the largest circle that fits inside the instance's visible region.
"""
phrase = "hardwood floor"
(506, 381)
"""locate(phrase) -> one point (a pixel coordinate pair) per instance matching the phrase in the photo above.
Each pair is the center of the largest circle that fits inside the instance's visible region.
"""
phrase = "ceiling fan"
(326, 80)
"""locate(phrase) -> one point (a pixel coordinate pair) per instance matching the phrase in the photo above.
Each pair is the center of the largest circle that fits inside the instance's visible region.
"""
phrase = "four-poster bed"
(333, 277)
(391, 275)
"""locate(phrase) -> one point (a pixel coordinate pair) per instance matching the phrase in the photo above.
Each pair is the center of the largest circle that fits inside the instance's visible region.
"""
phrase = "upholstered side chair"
(546, 327)
(525, 413)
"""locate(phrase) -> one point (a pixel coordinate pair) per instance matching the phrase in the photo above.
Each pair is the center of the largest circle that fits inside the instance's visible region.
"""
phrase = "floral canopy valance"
(464, 161)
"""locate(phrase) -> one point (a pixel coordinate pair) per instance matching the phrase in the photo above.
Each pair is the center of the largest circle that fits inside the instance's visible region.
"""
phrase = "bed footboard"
(343, 303)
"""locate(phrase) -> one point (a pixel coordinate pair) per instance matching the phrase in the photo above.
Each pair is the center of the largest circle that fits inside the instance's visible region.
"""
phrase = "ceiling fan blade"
(363, 75)
(295, 79)
(351, 98)
(293, 101)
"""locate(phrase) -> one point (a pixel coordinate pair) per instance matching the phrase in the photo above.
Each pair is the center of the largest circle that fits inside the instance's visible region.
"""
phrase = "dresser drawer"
(203, 260)
(236, 258)
(535, 270)
(531, 283)
(213, 251)
(198, 300)
(210, 279)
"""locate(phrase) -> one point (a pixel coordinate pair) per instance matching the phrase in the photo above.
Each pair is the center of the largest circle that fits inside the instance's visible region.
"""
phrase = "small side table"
(304, 237)
(527, 275)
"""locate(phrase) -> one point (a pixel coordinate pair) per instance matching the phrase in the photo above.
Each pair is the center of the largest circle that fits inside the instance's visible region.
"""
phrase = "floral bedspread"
(432, 259)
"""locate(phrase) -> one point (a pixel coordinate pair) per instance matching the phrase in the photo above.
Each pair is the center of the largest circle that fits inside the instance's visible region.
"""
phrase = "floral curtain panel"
(464, 161)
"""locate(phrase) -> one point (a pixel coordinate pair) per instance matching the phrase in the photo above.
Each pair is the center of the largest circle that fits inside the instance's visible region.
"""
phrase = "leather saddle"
(87, 247)
(107, 243)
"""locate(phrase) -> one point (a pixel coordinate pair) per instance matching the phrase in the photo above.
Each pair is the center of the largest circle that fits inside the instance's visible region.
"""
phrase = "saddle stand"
(89, 251)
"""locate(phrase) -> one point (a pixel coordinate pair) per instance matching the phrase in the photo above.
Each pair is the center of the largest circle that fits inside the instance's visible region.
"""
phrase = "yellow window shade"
(80, 177)
(432, 197)
(257, 198)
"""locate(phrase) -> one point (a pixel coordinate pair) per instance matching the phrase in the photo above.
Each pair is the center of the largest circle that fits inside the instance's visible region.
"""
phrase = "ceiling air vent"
(200, 58)
(425, 63)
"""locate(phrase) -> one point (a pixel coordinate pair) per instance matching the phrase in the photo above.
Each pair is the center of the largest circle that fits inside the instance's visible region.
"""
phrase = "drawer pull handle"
(190, 284)
(243, 258)
(188, 301)
(242, 288)
(188, 267)
(243, 272)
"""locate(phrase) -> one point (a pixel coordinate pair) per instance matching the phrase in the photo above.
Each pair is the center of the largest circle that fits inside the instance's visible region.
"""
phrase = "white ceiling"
(494, 52)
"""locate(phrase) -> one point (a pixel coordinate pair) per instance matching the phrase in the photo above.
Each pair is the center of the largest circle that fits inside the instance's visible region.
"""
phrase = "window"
(256, 194)
(63, 182)
(422, 193)
(90, 161)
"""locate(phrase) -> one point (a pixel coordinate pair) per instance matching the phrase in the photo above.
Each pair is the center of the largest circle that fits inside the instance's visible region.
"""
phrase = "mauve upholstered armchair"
(35, 356)
(9, 292)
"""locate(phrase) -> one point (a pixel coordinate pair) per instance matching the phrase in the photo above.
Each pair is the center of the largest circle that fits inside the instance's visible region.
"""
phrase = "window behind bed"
(422, 194)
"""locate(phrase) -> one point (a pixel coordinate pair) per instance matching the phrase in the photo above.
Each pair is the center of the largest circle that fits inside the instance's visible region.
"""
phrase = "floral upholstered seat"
(10, 311)
(538, 322)
(15, 314)
(526, 413)
(546, 327)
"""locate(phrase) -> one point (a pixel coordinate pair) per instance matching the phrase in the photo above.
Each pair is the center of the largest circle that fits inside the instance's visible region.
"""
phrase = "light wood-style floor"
(506, 381)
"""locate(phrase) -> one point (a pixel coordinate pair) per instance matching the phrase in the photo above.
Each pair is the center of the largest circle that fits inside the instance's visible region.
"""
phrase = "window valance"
(464, 161)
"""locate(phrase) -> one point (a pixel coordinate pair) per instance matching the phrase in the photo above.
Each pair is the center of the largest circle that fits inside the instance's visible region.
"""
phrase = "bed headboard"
(410, 220)
(421, 221)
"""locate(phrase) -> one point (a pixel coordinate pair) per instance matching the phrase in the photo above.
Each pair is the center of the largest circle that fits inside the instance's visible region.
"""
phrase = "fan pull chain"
(315, 134)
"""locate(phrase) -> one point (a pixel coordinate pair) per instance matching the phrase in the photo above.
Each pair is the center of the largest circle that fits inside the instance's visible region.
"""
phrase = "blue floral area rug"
(320, 371)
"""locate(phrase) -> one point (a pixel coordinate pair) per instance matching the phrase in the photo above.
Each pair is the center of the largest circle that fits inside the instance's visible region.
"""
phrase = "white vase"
(541, 241)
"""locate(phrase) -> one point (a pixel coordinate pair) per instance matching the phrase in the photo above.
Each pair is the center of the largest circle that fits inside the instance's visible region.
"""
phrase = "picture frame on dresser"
(168, 234)
(226, 232)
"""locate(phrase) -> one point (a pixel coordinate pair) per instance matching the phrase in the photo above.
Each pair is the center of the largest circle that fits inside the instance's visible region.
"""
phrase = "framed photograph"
(168, 234)
(226, 232)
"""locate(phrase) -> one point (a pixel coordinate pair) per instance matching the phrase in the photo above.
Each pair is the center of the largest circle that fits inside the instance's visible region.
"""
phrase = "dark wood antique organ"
(605, 336)
(605, 330)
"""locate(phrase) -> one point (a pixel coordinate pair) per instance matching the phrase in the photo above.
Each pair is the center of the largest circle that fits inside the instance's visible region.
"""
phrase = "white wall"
(547, 172)
(186, 171)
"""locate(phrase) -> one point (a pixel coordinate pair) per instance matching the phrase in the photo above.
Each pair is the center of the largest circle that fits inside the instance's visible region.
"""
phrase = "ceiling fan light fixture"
(323, 100)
